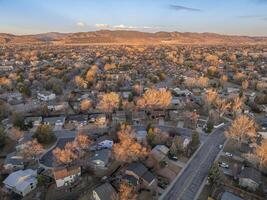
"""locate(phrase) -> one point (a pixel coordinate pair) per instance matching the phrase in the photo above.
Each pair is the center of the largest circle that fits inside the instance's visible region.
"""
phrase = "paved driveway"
(47, 160)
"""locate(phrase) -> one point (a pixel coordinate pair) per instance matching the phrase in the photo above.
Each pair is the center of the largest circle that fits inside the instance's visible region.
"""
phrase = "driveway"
(47, 160)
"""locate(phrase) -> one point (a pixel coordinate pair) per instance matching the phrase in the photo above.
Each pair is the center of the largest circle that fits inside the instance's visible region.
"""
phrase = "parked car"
(228, 154)
(174, 158)
(223, 165)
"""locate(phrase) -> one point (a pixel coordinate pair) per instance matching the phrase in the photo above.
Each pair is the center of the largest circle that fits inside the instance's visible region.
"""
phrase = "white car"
(220, 146)
(223, 165)
(228, 154)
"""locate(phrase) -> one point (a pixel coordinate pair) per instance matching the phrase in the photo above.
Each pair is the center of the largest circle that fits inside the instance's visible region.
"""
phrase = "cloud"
(122, 26)
(180, 8)
(80, 24)
(102, 25)
(259, 17)
(249, 16)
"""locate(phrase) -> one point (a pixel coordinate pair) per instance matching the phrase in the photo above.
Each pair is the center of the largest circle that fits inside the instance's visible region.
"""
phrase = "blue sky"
(239, 17)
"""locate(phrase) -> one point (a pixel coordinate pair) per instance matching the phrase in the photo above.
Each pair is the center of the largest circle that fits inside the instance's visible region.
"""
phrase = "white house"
(6, 68)
(21, 182)
(106, 144)
(66, 176)
(36, 121)
(46, 96)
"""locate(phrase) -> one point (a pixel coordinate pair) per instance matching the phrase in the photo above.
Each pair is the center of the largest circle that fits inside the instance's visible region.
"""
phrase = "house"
(100, 158)
(21, 182)
(46, 96)
(105, 192)
(180, 92)
(126, 95)
(13, 162)
(174, 115)
(202, 123)
(98, 118)
(140, 172)
(9, 96)
(250, 178)
(119, 117)
(106, 144)
(56, 122)
(36, 121)
(52, 106)
(156, 114)
(140, 133)
(78, 120)
(175, 101)
(66, 176)
(138, 117)
(159, 152)
(6, 68)
(232, 90)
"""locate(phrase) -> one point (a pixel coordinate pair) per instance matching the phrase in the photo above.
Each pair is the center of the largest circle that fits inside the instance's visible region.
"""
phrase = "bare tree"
(237, 104)
(83, 141)
(66, 155)
(261, 152)
(223, 80)
(242, 129)
(210, 98)
(245, 85)
(223, 106)
(15, 134)
(128, 150)
(31, 149)
(109, 102)
(126, 192)
(85, 105)
(80, 82)
(154, 98)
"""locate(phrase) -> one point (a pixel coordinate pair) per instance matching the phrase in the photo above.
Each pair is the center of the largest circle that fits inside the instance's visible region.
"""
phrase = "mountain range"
(129, 37)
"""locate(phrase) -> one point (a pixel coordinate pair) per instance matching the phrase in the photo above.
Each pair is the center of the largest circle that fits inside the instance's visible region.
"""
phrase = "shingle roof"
(148, 177)
(65, 172)
(13, 159)
(21, 179)
(141, 171)
(106, 192)
(138, 168)
(102, 155)
(251, 173)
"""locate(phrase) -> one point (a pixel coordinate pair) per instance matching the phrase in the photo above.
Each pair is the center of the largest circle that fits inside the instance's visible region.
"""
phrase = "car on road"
(223, 165)
(220, 146)
(228, 154)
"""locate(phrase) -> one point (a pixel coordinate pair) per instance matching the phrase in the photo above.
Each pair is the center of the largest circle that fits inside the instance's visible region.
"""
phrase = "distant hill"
(130, 37)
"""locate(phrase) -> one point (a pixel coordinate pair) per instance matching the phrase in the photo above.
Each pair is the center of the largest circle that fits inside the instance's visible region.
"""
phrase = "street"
(187, 184)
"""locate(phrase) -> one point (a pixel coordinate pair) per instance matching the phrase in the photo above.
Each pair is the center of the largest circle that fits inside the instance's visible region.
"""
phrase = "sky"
(233, 17)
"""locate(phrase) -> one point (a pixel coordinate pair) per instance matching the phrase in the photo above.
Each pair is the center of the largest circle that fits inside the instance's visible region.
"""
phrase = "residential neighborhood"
(141, 122)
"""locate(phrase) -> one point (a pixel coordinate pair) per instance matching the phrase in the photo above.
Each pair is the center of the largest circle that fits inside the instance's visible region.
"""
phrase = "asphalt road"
(187, 184)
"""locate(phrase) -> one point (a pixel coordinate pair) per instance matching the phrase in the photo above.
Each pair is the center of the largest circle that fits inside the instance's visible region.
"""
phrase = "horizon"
(29, 17)
(56, 32)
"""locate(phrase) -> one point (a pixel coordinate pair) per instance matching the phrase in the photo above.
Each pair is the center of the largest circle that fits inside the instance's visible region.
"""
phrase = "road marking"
(195, 173)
